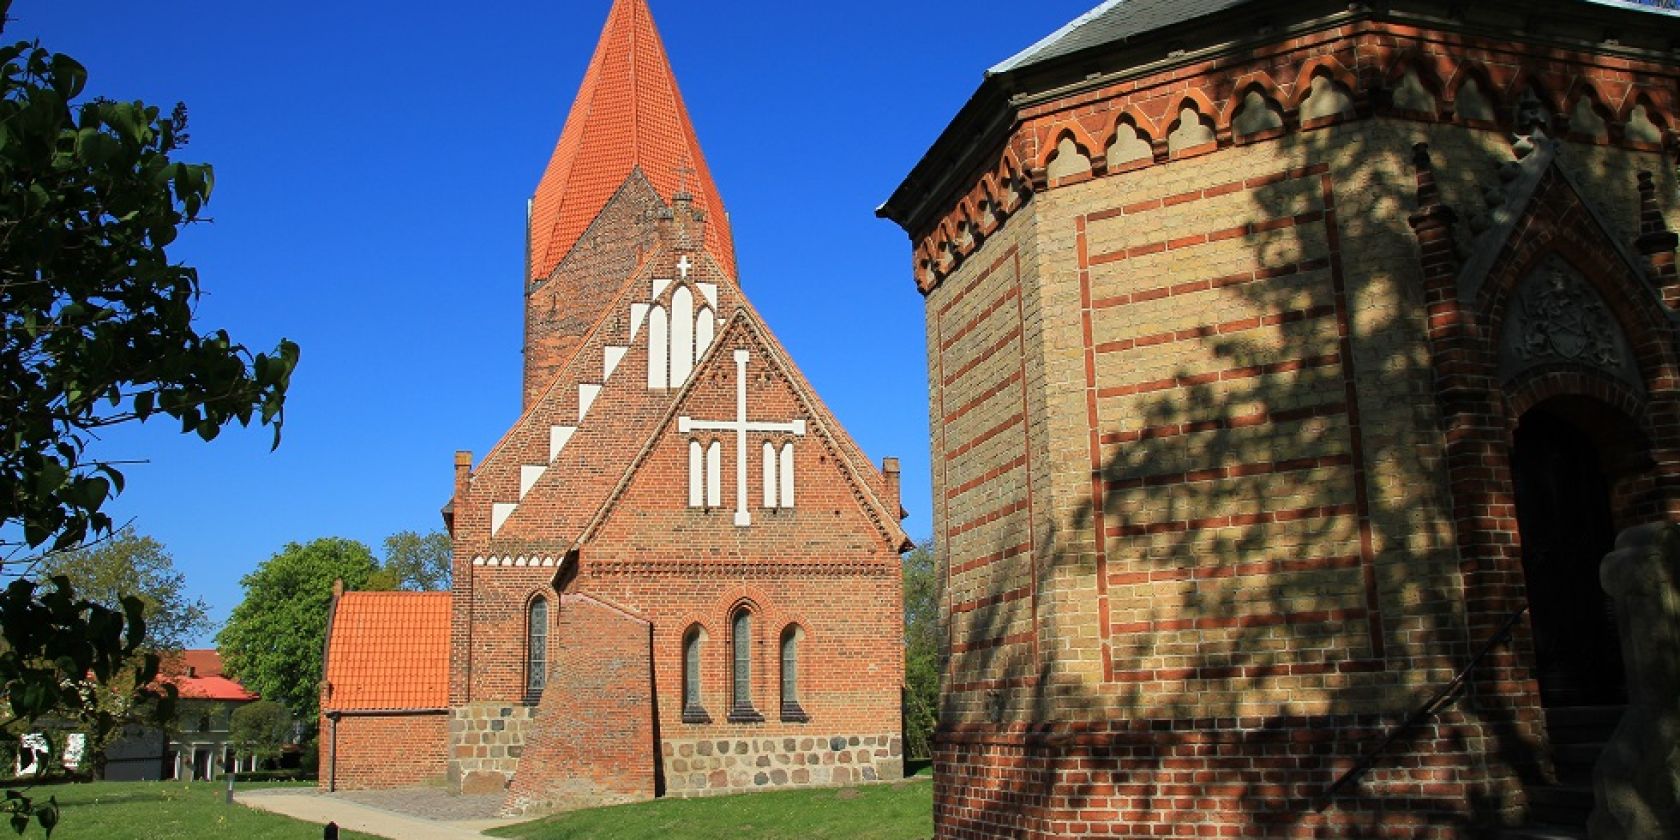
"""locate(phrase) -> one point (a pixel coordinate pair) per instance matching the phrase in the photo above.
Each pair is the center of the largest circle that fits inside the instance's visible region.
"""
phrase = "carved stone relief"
(1556, 316)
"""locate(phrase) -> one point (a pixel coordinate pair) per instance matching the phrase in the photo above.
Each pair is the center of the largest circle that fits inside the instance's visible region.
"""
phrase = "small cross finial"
(683, 266)
(682, 178)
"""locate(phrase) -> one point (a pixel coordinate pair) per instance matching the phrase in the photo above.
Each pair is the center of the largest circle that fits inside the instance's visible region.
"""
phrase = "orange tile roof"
(388, 650)
(198, 675)
(628, 114)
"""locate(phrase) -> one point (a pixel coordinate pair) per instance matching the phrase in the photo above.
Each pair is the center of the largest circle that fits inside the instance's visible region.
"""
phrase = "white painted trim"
(638, 314)
(709, 292)
(787, 475)
(610, 359)
(558, 437)
(659, 350)
(769, 474)
(499, 513)
(696, 475)
(660, 284)
(705, 329)
(714, 474)
(528, 478)
(682, 335)
(586, 398)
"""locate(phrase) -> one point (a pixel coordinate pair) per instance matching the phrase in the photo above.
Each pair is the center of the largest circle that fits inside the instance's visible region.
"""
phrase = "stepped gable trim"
(745, 320)
(504, 547)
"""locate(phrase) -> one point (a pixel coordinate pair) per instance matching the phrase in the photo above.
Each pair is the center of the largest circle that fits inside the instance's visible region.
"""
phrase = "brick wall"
(1190, 467)
(593, 739)
(384, 751)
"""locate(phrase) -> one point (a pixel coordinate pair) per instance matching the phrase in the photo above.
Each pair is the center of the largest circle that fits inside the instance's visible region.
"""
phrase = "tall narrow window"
(659, 349)
(740, 675)
(791, 710)
(786, 484)
(693, 711)
(682, 335)
(770, 475)
(696, 475)
(714, 475)
(536, 648)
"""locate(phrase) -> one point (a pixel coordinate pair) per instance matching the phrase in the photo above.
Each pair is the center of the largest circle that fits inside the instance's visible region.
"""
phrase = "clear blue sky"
(373, 159)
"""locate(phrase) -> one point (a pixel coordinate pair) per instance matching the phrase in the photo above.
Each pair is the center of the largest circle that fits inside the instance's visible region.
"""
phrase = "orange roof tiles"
(387, 651)
(197, 675)
(628, 114)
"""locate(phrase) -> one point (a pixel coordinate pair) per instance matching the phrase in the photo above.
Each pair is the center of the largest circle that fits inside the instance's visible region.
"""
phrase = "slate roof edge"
(1025, 56)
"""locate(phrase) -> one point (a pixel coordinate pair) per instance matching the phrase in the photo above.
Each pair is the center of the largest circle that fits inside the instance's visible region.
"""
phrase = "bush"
(275, 776)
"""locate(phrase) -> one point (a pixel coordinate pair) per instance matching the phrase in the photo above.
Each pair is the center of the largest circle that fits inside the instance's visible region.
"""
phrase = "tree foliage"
(260, 729)
(418, 562)
(96, 329)
(272, 642)
(922, 650)
(131, 564)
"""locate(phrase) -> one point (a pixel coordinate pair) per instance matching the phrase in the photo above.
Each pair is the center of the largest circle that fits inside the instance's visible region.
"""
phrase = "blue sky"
(373, 159)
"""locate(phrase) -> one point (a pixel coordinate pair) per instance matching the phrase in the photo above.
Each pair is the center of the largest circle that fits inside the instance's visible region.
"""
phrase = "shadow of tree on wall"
(1249, 731)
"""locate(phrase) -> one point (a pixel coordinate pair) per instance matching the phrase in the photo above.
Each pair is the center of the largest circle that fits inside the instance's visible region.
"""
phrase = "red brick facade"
(620, 546)
(1226, 373)
(377, 750)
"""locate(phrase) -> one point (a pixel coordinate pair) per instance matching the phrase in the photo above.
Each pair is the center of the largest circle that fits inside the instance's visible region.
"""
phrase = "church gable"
(544, 481)
(747, 457)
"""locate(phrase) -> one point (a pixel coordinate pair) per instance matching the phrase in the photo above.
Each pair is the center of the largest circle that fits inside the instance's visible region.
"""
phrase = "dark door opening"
(1564, 516)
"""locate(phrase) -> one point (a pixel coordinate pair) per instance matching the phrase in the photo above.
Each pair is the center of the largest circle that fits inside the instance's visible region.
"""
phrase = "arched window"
(536, 648)
(791, 710)
(740, 673)
(693, 711)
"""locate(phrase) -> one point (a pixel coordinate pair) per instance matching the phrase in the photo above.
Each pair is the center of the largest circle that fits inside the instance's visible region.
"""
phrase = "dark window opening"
(740, 676)
(536, 649)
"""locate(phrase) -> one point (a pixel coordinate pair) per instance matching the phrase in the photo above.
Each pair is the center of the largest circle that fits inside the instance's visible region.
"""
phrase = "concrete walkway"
(321, 809)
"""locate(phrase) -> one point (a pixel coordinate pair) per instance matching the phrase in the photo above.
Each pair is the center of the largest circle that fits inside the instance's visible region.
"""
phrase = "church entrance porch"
(1566, 527)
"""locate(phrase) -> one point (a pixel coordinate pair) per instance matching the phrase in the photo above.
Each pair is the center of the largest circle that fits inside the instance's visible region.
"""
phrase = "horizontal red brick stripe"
(994, 642)
(989, 518)
(958, 298)
(1225, 328)
(1314, 564)
(983, 355)
(978, 481)
(988, 559)
(1191, 286)
(1193, 379)
(992, 600)
(1237, 621)
(1258, 418)
(1234, 471)
(1219, 235)
(990, 392)
(1007, 682)
(977, 320)
(984, 436)
(1235, 520)
(1209, 192)
(1226, 672)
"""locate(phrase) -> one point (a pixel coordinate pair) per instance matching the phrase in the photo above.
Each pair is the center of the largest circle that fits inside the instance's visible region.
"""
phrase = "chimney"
(463, 471)
(889, 468)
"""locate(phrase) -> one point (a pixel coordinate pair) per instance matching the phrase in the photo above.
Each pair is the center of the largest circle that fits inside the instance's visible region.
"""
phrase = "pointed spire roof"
(628, 114)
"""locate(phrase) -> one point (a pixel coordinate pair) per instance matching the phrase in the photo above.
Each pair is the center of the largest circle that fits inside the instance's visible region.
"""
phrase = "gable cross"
(683, 265)
(682, 178)
(741, 426)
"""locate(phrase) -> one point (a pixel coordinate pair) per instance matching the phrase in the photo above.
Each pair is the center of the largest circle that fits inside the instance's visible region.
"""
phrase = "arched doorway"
(1563, 461)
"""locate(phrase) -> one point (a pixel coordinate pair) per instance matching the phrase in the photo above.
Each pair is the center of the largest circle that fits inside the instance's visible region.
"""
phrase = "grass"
(871, 812)
(156, 810)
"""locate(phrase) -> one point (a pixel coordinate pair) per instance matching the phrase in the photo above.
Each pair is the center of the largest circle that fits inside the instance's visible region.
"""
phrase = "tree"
(130, 564)
(96, 329)
(260, 729)
(273, 640)
(418, 562)
(923, 650)
(105, 573)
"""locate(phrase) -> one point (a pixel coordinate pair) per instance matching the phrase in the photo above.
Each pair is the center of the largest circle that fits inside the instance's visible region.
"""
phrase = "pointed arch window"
(740, 673)
(693, 710)
(791, 710)
(536, 648)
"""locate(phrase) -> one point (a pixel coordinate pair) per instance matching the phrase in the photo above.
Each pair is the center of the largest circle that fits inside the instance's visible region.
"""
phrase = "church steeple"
(628, 115)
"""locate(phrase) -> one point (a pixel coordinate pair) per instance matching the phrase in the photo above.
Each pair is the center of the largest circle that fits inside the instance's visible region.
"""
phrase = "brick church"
(676, 574)
(1293, 365)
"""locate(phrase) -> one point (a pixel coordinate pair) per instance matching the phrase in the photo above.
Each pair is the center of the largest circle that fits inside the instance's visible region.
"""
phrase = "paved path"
(319, 808)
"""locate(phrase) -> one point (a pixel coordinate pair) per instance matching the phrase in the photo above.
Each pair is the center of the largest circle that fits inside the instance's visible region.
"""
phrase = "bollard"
(230, 789)
(330, 832)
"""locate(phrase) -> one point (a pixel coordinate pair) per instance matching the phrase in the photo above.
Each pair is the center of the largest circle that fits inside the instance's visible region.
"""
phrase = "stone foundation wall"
(485, 742)
(731, 765)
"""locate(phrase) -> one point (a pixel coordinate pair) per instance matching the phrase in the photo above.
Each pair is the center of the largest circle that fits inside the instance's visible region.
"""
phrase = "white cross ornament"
(741, 426)
(683, 265)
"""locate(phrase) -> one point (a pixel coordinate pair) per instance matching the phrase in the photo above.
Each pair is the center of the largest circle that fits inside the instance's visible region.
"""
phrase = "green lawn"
(882, 812)
(157, 810)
